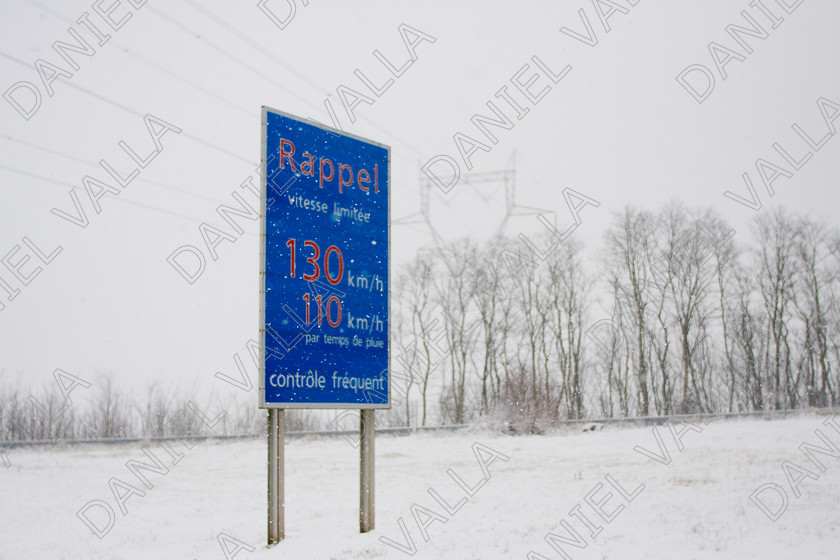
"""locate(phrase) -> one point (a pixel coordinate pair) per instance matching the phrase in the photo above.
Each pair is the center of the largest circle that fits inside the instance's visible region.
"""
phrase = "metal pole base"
(276, 494)
(366, 486)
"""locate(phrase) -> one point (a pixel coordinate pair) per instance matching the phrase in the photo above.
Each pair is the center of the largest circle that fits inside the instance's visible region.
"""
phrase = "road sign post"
(324, 285)
(276, 490)
(366, 471)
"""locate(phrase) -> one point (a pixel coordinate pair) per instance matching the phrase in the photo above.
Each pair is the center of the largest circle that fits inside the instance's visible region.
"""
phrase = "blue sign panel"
(324, 269)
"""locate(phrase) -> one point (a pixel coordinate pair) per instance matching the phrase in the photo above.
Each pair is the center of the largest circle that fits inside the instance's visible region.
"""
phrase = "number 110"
(325, 309)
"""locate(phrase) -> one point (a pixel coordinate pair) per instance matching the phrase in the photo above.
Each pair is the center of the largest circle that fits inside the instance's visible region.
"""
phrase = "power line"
(142, 59)
(134, 112)
(264, 75)
(80, 160)
(256, 46)
(115, 199)
(260, 73)
(192, 33)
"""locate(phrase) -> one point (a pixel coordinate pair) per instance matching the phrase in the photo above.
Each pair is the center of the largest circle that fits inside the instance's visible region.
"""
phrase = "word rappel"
(362, 178)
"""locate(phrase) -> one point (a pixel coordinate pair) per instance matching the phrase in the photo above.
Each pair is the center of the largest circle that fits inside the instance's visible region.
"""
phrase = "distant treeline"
(677, 313)
(73, 408)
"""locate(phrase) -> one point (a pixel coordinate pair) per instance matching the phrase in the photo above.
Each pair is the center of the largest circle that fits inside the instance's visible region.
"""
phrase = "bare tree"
(455, 289)
(814, 281)
(155, 412)
(109, 415)
(569, 292)
(775, 255)
(628, 244)
(422, 272)
(408, 354)
(726, 256)
(533, 327)
(686, 252)
(492, 298)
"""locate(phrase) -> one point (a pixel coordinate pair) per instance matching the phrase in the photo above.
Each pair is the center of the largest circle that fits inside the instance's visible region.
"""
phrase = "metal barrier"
(400, 431)
(406, 431)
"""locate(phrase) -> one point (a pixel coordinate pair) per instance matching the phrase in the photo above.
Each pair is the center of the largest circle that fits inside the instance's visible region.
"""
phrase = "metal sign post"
(276, 490)
(324, 286)
(366, 486)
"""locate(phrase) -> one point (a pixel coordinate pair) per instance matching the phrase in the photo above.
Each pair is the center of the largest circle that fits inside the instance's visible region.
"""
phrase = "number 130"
(313, 260)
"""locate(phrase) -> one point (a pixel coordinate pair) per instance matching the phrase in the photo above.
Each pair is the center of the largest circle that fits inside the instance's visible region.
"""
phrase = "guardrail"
(400, 431)
(405, 431)
(647, 420)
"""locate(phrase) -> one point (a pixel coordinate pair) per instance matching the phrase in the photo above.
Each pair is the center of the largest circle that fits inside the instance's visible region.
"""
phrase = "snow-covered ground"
(693, 504)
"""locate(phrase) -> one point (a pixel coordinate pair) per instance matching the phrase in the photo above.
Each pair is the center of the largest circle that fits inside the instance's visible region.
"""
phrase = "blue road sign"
(324, 267)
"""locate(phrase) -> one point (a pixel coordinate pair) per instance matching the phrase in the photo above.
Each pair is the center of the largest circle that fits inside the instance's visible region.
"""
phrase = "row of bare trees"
(483, 327)
(104, 411)
(676, 313)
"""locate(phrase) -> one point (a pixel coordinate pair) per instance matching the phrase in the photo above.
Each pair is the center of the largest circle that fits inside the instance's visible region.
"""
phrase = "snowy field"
(655, 501)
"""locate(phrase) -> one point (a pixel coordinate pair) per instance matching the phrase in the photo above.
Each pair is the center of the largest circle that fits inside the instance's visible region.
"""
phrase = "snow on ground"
(695, 505)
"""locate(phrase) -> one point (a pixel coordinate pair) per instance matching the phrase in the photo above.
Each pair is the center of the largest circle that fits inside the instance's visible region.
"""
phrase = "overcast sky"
(600, 112)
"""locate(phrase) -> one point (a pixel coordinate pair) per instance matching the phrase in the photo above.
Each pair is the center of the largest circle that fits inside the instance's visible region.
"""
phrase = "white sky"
(618, 128)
